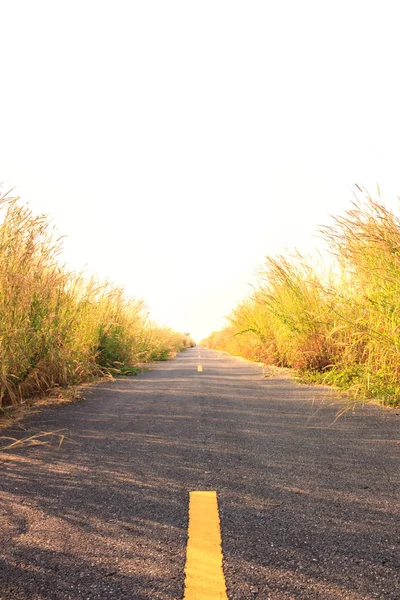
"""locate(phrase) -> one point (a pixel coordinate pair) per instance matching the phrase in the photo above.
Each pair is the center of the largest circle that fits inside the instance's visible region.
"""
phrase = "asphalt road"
(309, 507)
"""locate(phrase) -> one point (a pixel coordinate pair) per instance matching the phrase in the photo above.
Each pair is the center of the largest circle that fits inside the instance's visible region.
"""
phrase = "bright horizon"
(176, 144)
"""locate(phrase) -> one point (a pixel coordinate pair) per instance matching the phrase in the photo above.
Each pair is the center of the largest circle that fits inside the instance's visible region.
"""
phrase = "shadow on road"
(307, 505)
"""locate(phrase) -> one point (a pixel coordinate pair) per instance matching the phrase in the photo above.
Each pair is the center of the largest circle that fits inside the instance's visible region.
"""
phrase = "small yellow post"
(200, 369)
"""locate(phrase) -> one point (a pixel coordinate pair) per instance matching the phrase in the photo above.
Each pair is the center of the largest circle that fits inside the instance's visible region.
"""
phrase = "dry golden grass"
(341, 328)
(58, 328)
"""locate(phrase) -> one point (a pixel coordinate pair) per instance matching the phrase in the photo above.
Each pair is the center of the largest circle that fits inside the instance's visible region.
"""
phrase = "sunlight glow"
(176, 144)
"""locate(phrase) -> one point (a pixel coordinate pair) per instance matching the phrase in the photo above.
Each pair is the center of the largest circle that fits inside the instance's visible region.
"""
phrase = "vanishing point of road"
(305, 507)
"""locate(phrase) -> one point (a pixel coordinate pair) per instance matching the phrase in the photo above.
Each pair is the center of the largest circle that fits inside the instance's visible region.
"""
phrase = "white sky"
(176, 143)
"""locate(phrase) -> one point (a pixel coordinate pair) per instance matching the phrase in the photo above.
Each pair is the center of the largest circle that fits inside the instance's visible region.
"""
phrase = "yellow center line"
(199, 368)
(204, 575)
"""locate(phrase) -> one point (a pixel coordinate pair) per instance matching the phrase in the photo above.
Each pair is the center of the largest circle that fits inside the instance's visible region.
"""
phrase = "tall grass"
(58, 328)
(340, 327)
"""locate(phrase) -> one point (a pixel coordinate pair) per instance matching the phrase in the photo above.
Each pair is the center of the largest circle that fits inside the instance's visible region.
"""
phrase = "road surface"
(308, 506)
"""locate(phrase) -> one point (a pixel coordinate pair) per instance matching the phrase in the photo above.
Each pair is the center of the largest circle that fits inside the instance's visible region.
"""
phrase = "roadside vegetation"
(58, 328)
(339, 326)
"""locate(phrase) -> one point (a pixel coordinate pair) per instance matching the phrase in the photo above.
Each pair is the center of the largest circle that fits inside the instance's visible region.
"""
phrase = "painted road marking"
(200, 368)
(204, 575)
